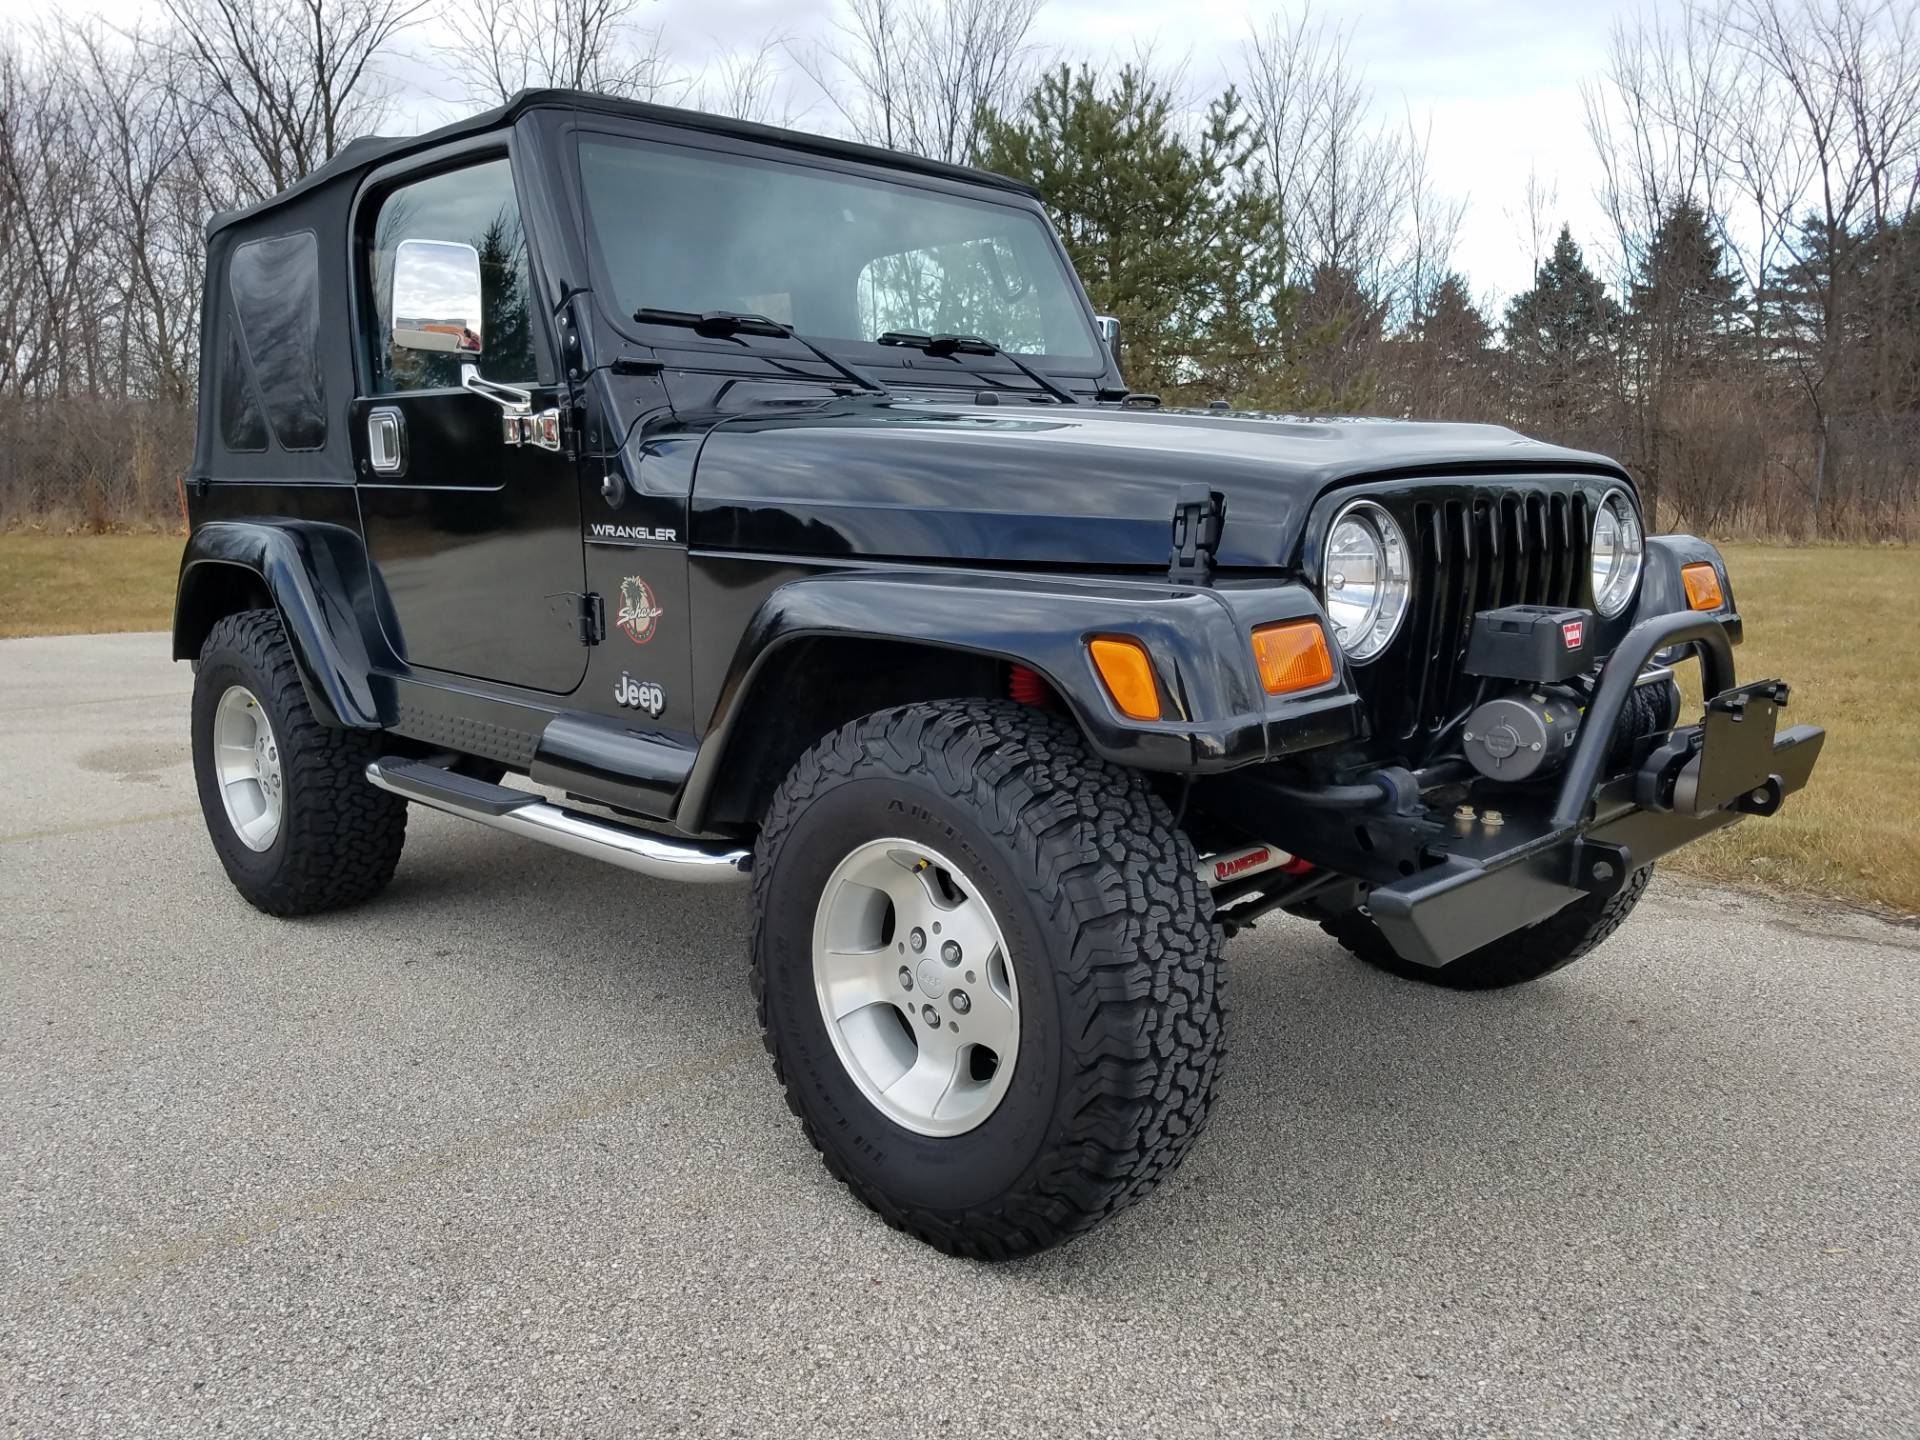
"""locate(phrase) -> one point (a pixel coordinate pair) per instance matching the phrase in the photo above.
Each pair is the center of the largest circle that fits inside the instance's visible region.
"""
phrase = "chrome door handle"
(387, 441)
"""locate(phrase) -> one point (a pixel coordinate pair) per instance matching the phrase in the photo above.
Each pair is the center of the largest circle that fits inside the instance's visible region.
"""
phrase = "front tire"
(286, 798)
(1527, 954)
(1082, 1064)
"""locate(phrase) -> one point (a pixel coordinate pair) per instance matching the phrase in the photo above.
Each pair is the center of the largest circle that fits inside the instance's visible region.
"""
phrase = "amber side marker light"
(1292, 655)
(1128, 675)
(1703, 585)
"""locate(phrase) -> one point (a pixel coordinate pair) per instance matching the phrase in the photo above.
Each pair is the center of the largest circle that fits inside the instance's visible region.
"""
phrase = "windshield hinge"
(593, 619)
(1198, 516)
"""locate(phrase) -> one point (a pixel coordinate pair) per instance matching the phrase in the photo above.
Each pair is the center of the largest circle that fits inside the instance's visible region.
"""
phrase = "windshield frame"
(905, 367)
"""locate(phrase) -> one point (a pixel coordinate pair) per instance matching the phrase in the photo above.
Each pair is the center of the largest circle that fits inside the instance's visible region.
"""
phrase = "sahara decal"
(601, 533)
(639, 613)
(643, 695)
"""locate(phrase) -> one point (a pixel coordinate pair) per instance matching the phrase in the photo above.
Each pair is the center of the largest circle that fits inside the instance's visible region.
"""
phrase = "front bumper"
(1443, 883)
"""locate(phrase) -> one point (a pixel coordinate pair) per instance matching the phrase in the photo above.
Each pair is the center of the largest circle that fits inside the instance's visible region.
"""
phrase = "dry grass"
(1841, 624)
(86, 584)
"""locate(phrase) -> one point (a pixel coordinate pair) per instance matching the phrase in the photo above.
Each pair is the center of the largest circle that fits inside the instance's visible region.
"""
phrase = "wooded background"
(1745, 335)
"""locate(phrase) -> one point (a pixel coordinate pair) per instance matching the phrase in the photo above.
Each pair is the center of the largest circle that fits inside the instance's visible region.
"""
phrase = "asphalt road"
(500, 1153)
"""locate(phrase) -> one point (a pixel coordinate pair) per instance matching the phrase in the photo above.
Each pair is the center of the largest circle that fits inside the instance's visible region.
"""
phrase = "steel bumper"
(1496, 880)
(1490, 880)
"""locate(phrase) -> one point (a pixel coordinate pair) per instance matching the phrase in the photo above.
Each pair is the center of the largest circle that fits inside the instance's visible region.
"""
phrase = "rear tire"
(298, 828)
(1077, 873)
(1527, 954)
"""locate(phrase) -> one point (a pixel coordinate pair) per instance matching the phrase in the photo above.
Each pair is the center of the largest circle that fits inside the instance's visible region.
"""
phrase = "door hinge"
(547, 429)
(593, 619)
(1198, 516)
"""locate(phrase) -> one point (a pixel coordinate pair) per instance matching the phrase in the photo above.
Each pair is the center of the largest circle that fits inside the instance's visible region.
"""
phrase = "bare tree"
(1851, 86)
(153, 244)
(752, 84)
(510, 45)
(282, 84)
(917, 74)
(48, 217)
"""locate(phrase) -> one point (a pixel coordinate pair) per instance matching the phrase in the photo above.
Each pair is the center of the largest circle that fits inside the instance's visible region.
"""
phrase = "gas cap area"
(1517, 737)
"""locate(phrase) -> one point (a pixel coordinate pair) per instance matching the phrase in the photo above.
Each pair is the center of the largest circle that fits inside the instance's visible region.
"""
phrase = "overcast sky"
(1499, 80)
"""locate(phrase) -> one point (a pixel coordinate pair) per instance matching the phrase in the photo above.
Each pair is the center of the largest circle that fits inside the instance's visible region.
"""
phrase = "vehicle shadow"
(1357, 1108)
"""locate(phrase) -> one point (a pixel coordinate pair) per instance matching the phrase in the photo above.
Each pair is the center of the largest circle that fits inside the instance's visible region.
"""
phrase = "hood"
(1087, 486)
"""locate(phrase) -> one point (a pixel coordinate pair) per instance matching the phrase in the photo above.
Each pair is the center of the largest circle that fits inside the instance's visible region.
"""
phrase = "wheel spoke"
(258, 832)
(908, 883)
(994, 1022)
(855, 979)
(930, 1078)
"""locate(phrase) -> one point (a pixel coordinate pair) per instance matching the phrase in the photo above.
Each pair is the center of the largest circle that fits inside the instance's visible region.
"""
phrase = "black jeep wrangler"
(775, 505)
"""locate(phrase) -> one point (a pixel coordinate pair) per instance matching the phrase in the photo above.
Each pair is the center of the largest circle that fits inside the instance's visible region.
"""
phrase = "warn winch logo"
(1574, 632)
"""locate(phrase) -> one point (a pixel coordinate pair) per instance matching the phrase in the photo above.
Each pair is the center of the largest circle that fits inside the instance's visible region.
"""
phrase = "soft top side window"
(475, 206)
(275, 283)
(241, 428)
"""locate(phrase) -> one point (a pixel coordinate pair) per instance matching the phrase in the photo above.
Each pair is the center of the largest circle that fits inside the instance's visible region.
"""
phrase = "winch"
(1519, 736)
(1531, 730)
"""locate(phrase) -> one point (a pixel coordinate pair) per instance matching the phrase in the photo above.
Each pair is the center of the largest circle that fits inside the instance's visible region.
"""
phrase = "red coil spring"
(1028, 688)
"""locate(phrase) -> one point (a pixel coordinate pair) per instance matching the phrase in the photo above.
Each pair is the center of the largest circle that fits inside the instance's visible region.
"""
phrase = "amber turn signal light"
(1292, 655)
(1703, 585)
(1128, 674)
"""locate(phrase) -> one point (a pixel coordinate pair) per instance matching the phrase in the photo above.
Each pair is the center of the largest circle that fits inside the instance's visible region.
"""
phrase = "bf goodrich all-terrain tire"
(286, 798)
(1526, 954)
(988, 975)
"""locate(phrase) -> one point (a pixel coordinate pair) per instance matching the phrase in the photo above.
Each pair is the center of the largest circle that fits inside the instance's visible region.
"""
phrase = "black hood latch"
(1198, 516)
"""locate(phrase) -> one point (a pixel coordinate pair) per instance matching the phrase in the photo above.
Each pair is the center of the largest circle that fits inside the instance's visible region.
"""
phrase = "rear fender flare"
(317, 578)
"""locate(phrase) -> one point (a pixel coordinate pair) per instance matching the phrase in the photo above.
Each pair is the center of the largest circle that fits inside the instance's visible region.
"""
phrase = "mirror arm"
(510, 398)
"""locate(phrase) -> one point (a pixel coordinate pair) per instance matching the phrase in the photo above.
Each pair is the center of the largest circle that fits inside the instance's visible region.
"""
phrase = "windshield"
(833, 256)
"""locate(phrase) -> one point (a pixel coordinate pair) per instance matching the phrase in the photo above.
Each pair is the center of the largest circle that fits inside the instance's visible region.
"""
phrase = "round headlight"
(1366, 579)
(1618, 550)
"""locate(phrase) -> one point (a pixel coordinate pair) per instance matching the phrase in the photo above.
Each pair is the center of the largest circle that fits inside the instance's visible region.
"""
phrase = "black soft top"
(360, 156)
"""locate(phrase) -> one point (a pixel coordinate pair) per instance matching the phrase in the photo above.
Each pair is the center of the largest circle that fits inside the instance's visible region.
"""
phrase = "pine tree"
(1685, 300)
(1453, 325)
(1446, 360)
(1180, 240)
(1560, 337)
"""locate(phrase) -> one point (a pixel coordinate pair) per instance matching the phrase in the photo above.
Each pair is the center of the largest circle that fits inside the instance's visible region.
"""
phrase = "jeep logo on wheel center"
(1013, 695)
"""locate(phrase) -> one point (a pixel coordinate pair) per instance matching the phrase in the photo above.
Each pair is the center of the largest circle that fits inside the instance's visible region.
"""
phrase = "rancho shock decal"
(1216, 870)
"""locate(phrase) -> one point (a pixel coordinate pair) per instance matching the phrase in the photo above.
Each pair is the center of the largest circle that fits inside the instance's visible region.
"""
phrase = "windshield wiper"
(974, 345)
(725, 324)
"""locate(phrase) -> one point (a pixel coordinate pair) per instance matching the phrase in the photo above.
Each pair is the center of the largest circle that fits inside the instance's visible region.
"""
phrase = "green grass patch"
(1842, 625)
(86, 584)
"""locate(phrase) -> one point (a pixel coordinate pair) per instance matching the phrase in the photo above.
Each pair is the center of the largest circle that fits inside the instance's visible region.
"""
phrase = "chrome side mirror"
(1109, 329)
(436, 297)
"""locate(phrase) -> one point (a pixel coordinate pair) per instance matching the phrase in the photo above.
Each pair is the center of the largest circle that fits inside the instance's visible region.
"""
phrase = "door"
(474, 541)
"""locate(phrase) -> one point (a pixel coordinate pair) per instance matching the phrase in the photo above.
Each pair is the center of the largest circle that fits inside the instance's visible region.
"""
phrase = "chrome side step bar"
(531, 816)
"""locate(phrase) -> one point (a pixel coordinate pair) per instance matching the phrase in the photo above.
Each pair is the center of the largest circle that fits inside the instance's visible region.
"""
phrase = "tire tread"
(1115, 879)
(342, 835)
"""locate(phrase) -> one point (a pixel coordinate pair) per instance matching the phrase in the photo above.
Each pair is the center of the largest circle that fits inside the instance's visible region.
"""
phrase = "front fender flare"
(1198, 637)
(317, 578)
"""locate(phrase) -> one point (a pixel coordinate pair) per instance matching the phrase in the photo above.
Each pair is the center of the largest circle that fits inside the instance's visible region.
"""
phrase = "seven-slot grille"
(1470, 550)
